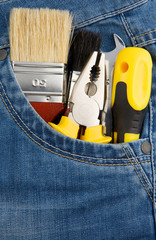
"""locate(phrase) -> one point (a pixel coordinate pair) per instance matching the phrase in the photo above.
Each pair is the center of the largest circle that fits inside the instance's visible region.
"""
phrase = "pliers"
(86, 103)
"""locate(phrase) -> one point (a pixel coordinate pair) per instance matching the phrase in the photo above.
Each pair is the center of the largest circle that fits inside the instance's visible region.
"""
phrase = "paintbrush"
(39, 46)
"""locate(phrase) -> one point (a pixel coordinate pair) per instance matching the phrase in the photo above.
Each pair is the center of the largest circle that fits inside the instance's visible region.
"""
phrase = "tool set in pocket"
(92, 102)
(107, 95)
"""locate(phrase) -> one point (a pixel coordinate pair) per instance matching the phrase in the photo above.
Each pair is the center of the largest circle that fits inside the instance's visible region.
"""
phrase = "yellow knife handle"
(130, 93)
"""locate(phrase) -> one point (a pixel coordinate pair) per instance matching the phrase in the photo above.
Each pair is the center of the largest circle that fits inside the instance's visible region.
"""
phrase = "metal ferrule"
(42, 82)
(73, 78)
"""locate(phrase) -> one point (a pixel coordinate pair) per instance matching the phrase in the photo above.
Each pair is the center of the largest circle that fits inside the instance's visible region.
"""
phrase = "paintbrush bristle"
(40, 35)
(83, 44)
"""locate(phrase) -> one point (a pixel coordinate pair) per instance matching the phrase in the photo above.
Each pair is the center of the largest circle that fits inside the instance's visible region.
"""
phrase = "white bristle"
(40, 35)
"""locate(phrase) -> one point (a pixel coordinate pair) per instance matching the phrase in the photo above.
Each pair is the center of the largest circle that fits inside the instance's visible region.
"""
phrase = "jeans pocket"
(69, 187)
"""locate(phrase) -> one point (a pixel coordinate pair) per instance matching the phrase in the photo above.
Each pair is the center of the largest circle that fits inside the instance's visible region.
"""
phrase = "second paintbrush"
(84, 43)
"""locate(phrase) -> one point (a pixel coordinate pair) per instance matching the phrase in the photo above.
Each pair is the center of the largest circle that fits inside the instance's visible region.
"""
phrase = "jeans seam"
(141, 170)
(145, 43)
(110, 14)
(152, 152)
(150, 121)
(137, 173)
(4, 46)
(128, 29)
(143, 34)
(134, 38)
(143, 175)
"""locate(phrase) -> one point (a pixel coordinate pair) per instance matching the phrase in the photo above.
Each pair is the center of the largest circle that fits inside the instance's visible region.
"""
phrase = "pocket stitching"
(4, 46)
(145, 43)
(141, 170)
(98, 164)
(138, 174)
(134, 38)
(89, 157)
(128, 30)
(143, 34)
(110, 14)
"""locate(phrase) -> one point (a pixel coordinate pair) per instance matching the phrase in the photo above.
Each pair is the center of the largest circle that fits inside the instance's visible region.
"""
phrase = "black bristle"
(84, 43)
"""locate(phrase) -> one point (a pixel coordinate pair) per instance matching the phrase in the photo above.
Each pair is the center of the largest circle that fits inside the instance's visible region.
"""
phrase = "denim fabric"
(56, 188)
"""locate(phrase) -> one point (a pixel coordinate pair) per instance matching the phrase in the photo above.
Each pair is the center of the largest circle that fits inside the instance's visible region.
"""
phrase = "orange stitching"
(110, 14)
(143, 34)
(137, 173)
(143, 175)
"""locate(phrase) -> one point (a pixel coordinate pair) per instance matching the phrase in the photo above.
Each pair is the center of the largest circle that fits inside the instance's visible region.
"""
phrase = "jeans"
(53, 187)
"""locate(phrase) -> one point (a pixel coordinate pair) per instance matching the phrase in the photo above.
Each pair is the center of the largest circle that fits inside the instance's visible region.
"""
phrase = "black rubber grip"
(125, 118)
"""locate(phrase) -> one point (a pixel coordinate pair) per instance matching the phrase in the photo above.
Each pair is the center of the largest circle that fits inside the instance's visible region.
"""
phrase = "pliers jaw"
(87, 98)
